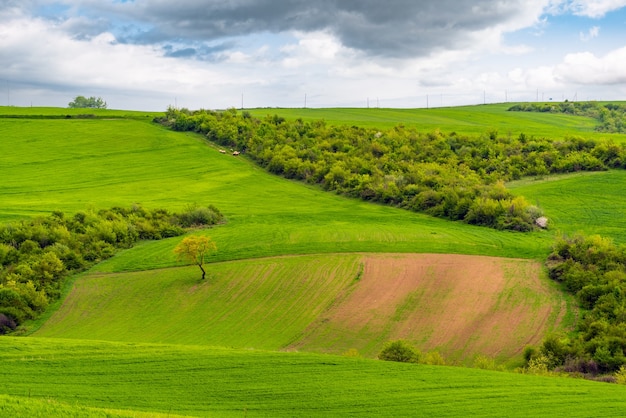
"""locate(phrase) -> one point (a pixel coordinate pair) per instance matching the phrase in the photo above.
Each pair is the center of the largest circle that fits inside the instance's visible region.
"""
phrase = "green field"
(590, 203)
(206, 381)
(298, 302)
(119, 158)
(462, 120)
(75, 164)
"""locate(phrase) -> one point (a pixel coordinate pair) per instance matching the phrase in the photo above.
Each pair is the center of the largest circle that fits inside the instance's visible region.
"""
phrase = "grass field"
(253, 301)
(461, 306)
(70, 165)
(463, 120)
(589, 203)
(205, 381)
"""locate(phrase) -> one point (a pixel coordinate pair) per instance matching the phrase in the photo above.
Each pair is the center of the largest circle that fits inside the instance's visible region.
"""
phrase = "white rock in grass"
(542, 222)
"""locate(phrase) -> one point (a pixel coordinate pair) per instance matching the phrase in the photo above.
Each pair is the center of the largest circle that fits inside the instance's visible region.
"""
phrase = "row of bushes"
(36, 254)
(537, 362)
(611, 117)
(453, 176)
(594, 270)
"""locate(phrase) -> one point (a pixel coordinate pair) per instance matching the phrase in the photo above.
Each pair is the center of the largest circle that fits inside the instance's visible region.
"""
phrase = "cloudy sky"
(149, 54)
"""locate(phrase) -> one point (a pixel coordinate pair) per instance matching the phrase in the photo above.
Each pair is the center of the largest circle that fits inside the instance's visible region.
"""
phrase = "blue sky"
(149, 54)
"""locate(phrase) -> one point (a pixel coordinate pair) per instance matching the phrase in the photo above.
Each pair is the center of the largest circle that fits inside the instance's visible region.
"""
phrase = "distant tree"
(81, 102)
(195, 249)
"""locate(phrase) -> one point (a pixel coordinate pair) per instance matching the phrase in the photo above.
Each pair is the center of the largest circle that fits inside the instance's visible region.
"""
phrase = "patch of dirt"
(459, 305)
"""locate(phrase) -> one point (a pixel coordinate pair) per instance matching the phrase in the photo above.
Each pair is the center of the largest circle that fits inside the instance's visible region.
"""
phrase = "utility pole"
(427, 101)
(305, 100)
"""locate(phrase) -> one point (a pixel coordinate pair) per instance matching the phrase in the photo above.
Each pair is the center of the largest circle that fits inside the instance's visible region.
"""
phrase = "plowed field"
(459, 305)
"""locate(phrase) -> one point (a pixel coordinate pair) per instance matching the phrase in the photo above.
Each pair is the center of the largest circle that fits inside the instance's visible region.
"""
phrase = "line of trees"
(594, 270)
(457, 177)
(611, 116)
(37, 254)
(82, 102)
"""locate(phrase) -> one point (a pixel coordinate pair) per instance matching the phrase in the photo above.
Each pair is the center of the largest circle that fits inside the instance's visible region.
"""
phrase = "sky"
(151, 54)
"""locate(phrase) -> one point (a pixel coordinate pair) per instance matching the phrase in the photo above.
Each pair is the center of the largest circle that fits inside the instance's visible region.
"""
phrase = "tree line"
(611, 116)
(37, 254)
(593, 269)
(452, 176)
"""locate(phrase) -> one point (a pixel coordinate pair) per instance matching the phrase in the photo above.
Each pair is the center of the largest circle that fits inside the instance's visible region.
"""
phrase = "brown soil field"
(458, 305)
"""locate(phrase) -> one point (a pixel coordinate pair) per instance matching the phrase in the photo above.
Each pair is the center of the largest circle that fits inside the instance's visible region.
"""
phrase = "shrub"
(620, 376)
(433, 358)
(195, 215)
(487, 363)
(400, 351)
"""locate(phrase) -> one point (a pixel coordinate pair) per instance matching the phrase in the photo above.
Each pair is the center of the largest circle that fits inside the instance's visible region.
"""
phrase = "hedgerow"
(594, 270)
(451, 176)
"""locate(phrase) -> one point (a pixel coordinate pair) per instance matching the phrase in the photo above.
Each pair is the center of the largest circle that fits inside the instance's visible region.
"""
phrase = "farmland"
(201, 381)
(320, 306)
(301, 276)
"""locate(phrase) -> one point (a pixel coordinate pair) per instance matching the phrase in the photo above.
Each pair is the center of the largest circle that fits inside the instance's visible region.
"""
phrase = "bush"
(620, 376)
(195, 215)
(400, 351)
(433, 358)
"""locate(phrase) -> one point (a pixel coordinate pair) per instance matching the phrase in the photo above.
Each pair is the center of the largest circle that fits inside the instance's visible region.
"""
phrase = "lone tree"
(195, 248)
(88, 102)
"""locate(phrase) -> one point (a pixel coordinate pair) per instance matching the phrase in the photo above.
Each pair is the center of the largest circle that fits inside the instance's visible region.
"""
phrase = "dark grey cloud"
(199, 51)
(393, 28)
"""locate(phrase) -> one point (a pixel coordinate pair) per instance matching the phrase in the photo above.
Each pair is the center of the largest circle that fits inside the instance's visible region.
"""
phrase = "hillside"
(462, 306)
(206, 381)
(298, 271)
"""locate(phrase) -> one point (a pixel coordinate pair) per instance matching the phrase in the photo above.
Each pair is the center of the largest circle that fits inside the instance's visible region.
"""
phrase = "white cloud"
(593, 32)
(595, 8)
(41, 53)
(145, 54)
(587, 68)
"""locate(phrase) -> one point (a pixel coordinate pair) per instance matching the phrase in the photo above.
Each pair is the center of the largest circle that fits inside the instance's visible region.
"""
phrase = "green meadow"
(71, 165)
(462, 120)
(207, 381)
(94, 355)
(589, 203)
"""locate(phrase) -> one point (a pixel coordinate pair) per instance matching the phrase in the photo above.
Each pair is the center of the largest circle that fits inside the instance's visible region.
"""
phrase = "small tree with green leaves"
(195, 248)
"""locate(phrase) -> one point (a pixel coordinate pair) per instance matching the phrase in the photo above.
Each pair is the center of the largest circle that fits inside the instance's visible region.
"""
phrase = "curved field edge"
(104, 163)
(591, 203)
(459, 305)
(205, 381)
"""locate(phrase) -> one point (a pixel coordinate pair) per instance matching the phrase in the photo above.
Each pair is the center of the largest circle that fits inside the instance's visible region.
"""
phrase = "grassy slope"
(591, 203)
(267, 216)
(70, 164)
(463, 120)
(201, 381)
(303, 302)
(241, 304)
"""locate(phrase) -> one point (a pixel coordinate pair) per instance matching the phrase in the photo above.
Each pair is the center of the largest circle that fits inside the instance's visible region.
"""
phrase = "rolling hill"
(298, 271)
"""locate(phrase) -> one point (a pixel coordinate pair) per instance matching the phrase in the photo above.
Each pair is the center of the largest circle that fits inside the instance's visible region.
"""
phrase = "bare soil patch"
(459, 305)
